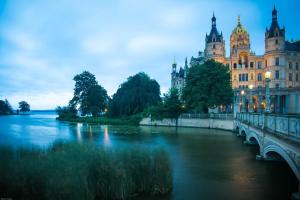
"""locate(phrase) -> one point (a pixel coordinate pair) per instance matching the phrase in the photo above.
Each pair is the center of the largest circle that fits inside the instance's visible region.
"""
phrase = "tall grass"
(83, 171)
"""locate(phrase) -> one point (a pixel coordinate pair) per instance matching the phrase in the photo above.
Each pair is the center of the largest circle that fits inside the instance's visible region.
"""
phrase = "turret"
(186, 67)
(214, 43)
(174, 65)
(239, 39)
(274, 36)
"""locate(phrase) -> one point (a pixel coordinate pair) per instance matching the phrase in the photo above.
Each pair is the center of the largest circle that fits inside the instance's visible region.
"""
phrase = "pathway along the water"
(207, 164)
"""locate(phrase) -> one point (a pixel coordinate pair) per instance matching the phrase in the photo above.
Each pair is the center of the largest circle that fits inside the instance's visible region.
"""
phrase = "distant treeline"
(207, 86)
(6, 108)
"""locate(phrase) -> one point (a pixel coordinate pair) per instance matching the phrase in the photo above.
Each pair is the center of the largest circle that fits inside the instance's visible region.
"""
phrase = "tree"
(97, 100)
(5, 107)
(207, 86)
(170, 108)
(134, 95)
(66, 112)
(88, 95)
(24, 106)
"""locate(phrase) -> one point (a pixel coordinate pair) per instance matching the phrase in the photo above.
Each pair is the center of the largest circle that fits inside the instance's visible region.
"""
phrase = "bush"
(83, 171)
(66, 112)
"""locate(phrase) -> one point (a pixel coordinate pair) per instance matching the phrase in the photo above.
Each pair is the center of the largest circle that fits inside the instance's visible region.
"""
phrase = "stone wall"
(198, 123)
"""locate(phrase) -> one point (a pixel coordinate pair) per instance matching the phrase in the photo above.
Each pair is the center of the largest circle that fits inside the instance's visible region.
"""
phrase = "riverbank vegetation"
(83, 171)
(130, 120)
(170, 108)
(207, 86)
(5, 108)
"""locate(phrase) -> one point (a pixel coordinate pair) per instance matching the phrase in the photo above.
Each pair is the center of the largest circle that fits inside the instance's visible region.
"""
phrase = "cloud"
(43, 44)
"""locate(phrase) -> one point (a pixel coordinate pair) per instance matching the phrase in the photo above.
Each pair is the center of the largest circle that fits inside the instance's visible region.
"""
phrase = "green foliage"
(91, 97)
(128, 120)
(134, 95)
(97, 100)
(83, 171)
(207, 86)
(5, 108)
(170, 108)
(24, 106)
(66, 112)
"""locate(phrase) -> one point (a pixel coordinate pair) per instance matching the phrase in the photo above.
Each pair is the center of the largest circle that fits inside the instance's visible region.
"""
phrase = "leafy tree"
(5, 107)
(134, 95)
(170, 108)
(88, 95)
(97, 100)
(24, 106)
(207, 86)
(66, 112)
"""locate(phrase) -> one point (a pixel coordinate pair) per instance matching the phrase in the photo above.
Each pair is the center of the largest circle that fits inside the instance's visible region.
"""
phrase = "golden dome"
(239, 29)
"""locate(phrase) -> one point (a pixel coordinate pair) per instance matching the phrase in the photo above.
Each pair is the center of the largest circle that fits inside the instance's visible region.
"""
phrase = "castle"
(281, 58)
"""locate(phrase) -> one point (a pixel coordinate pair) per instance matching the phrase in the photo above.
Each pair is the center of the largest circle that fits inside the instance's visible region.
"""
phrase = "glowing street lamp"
(268, 100)
(250, 98)
(243, 101)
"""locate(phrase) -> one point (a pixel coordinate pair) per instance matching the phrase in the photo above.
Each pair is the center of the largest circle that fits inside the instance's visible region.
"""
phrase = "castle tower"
(173, 74)
(214, 43)
(241, 57)
(274, 57)
(239, 40)
(274, 36)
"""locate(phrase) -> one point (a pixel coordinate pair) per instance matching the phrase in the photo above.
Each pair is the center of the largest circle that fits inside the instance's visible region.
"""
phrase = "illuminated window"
(251, 64)
(258, 65)
(259, 77)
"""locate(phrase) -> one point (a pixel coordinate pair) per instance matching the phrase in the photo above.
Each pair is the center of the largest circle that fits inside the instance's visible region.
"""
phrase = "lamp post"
(268, 100)
(243, 101)
(250, 98)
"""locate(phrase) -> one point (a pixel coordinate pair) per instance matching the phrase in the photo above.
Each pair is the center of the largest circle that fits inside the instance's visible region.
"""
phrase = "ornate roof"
(239, 29)
(275, 29)
(214, 35)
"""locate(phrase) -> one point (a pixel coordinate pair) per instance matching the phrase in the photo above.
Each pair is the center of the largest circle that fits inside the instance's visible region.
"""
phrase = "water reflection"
(204, 160)
(79, 136)
(106, 136)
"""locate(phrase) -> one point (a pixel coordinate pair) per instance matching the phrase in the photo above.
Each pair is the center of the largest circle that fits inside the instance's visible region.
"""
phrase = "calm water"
(207, 164)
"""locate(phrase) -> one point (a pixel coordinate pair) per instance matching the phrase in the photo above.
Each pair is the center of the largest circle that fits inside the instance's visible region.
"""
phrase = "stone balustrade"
(284, 125)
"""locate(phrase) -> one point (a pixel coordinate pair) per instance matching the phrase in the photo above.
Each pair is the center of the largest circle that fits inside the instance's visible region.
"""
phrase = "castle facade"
(281, 58)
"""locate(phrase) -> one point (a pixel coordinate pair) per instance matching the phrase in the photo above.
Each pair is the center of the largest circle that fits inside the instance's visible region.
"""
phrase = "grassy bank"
(132, 120)
(82, 171)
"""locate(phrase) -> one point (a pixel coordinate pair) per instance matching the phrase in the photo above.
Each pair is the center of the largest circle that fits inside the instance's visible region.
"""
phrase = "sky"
(45, 43)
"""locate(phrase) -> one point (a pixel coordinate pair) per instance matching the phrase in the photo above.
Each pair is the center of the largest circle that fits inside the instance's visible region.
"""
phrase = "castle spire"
(213, 20)
(239, 20)
(274, 14)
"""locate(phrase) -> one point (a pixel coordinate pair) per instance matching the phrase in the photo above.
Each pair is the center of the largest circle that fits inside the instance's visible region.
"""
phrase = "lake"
(206, 163)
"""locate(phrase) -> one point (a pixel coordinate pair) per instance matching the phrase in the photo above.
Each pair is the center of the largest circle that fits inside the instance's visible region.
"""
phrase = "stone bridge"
(278, 137)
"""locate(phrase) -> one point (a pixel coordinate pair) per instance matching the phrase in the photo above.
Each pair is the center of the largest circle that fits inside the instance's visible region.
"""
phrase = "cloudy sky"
(43, 44)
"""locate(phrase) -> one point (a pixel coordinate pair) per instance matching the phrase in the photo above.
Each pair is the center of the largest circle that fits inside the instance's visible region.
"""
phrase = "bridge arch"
(271, 149)
(252, 138)
(243, 131)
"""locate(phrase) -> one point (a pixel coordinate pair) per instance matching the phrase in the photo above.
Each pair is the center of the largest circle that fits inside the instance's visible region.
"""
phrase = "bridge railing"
(224, 116)
(286, 125)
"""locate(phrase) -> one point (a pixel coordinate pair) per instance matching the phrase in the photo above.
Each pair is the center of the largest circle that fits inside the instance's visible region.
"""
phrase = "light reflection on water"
(207, 164)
